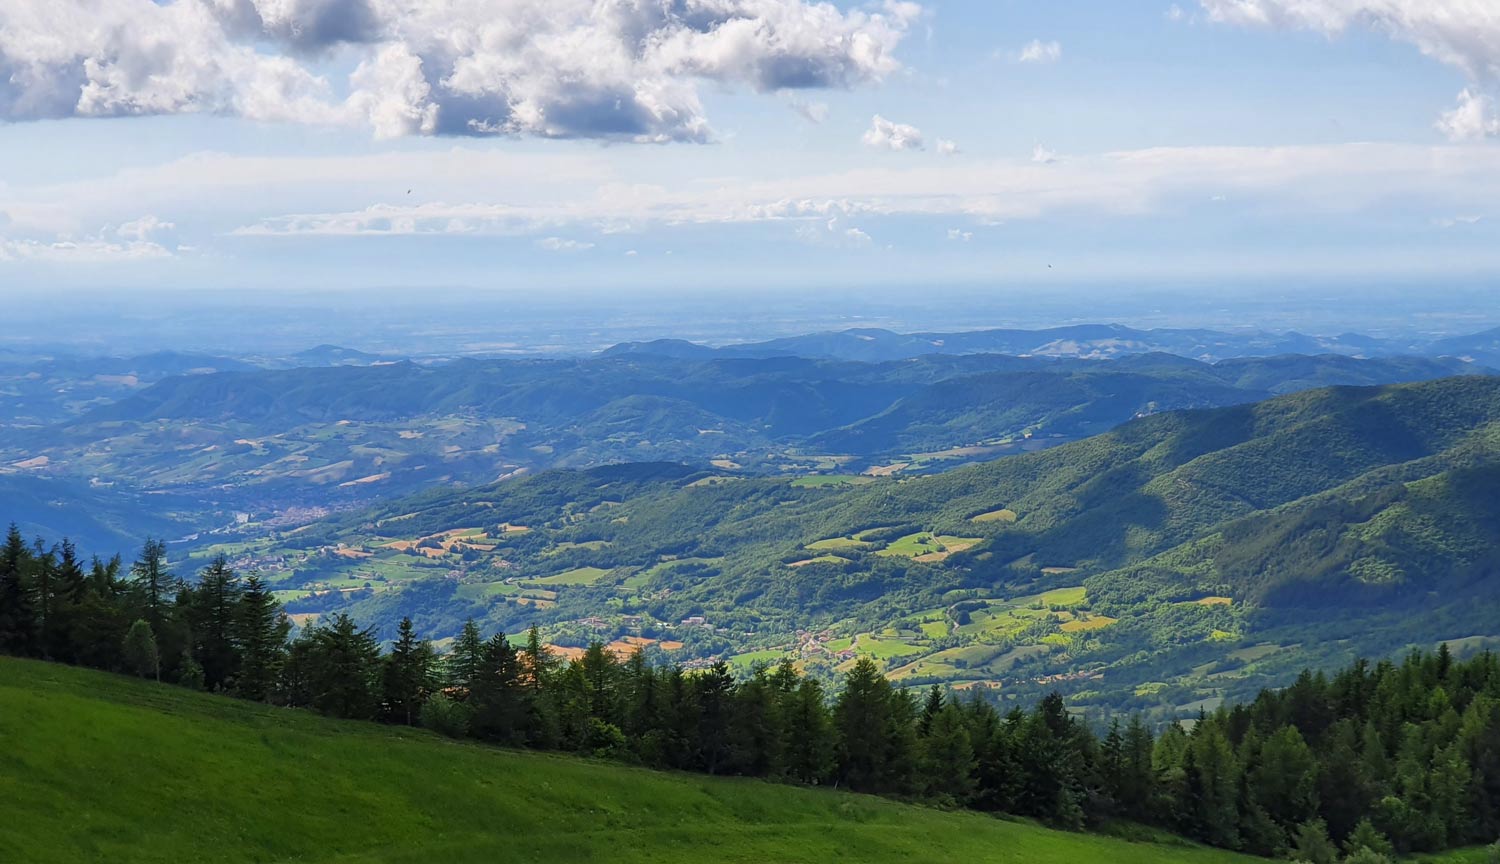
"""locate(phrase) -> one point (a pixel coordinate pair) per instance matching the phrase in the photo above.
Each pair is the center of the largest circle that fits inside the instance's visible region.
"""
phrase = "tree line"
(1375, 761)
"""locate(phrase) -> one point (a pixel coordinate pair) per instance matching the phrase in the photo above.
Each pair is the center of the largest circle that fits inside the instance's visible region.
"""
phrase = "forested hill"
(872, 344)
(1204, 553)
(269, 441)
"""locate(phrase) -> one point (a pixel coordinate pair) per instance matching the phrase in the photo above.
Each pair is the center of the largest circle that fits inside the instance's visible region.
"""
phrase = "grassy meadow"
(96, 767)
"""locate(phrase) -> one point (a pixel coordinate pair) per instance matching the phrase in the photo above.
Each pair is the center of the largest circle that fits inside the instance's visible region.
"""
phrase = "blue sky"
(1206, 142)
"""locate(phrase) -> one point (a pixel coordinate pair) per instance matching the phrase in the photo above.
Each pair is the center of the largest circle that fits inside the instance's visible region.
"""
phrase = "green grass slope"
(95, 767)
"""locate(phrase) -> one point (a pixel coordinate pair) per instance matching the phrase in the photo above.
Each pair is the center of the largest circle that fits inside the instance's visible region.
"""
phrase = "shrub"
(446, 716)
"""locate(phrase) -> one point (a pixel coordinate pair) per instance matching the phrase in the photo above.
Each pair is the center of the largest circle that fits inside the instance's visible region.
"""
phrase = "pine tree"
(537, 661)
(808, 743)
(153, 583)
(466, 659)
(1212, 778)
(213, 607)
(498, 699)
(407, 677)
(861, 718)
(1283, 778)
(930, 708)
(756, 735)
(343, 669)
(948, 764)
(261, 636)
(44, 600)
(61, 636)
(713, 691)
(18, 624)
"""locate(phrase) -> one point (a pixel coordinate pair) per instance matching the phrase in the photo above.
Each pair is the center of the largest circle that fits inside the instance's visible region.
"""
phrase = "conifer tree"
(153, 582)
(862, 717)
(948, 765)
(466, 659)
(261, 636)
(214, 604)
(342, 663)
(407, 677)
(18, 624)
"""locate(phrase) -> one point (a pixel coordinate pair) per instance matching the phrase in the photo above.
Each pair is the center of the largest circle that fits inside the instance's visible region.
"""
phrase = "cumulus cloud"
(1037, 51)
(1464, 34)
(143, 229)
(617, 69)
(960, 235)
(563, 244)
(1473, 118)
(135, 240)
(884, 134)
(85, 251)
(832, 233)
(947, 147)
(1042, 155)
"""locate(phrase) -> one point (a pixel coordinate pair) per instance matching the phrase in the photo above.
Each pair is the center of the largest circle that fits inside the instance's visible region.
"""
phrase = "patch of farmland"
(1085, 622)
(1001, 515)
(885, 648)
(817, 481)
(567, 545)
(576, 576)
(925, 546)
(821, 559)
(834, 544)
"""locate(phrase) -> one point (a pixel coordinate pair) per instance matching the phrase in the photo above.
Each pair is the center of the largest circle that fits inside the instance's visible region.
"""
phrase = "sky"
(529, 147)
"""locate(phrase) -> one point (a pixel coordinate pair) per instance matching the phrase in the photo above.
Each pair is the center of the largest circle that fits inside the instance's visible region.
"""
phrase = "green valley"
(1179, 560)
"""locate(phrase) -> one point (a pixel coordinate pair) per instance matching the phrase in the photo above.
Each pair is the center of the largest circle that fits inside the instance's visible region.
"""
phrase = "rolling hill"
(269, 440)
(101, 767)
(1204, 553)
(868, 344)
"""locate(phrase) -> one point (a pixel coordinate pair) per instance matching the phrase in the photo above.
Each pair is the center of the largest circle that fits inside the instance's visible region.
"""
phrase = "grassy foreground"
(104, 768)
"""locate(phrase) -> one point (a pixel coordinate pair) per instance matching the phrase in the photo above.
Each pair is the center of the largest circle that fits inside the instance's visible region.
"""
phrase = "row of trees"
(1377, 760)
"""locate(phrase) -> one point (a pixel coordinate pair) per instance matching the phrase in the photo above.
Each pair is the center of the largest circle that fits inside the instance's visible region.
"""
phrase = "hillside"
(1182, 557)
(268, 441)
(101, 767)
(1079, 340)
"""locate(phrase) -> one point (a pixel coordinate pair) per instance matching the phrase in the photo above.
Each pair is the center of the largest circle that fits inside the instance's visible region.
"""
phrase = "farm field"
(234, 782)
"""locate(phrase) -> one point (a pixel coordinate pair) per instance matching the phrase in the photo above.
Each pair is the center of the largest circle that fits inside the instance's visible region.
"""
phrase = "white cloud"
(960, 235)
(832, 233)
(626, 70)
(144, 228)
(1324, 179)
(1461, 33)
(134, 240)
(812, 112)
(1175, 13)
(1455, 221)
(563, 244)
(88, 251)
(1473, 118)
(947, 147)
(1042, 155)
(1037, 51)
(884, 134)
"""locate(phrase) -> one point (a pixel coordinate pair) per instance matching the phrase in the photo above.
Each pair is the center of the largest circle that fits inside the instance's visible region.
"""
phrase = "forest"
(1377, 760)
